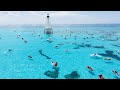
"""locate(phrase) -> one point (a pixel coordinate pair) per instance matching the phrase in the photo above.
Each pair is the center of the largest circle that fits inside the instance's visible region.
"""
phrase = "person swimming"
(118, 51)
(56, 46)
(106, 58)
(25, 41)
(49, 39)
(101, 76)
(95, 54)
(18, 36)
(115, 72)
(30, 57)
(9, 50)
(89, 68)
(55, 64)
(22, 38)
(65, 37)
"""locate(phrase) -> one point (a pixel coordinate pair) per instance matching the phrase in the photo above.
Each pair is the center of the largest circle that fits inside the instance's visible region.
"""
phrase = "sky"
(59, 17)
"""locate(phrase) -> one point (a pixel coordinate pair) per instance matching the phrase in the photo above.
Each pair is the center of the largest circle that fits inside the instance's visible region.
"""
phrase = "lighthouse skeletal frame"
(48, 28)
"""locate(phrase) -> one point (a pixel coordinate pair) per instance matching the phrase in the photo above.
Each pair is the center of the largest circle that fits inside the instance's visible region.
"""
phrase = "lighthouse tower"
(48, 28)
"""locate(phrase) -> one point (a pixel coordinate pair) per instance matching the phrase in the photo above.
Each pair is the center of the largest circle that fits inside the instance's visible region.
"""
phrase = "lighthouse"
(48, 28)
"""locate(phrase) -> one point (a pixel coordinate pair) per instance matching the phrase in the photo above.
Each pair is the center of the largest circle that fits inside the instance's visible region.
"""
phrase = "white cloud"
(59, 17)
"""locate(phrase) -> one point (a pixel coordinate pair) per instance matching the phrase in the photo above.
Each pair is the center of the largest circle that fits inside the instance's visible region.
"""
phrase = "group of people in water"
(97, 55)
(100, 75)
(55, 64)
(18, 36)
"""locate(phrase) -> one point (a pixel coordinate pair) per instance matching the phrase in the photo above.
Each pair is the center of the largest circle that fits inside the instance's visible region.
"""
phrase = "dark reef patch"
(73, 75)
(98, 46)
(40, 51)
(109, 53)
(111, 39)
(76, 47)
(52, 74)
(116, 45)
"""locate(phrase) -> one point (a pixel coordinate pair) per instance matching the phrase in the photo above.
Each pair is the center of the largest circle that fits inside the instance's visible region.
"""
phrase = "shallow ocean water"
(17, 65)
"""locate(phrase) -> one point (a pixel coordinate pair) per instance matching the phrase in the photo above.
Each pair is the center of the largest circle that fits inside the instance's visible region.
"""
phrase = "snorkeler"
(25, 41)
(54, 64)
(65, 37)
(106, 58)
(101, 77)
(9, 50)
(49, 39)
(56, 46)
(95, 54)
(89, 68)
(18, 35)
(115, 72)
(118, 51)
(30, 57)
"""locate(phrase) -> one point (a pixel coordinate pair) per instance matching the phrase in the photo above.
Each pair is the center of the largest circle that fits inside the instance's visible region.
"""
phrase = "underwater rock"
(99, 46)
(56, 69)
(88, 45)
(85, 45)
(116, 45)
(111, 39)
(52, 74)
(40, 51)
(48, 57)
(60, 44)
(110, 54)
(103, 36)
(73, 75)
(76, 48)
(81, 45)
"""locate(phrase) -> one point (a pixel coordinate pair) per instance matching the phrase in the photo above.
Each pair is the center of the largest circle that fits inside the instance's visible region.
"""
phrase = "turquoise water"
(16, 64)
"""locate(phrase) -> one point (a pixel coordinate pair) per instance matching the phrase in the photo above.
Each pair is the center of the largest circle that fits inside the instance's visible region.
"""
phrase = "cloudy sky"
(59, 17)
